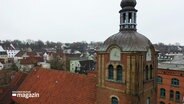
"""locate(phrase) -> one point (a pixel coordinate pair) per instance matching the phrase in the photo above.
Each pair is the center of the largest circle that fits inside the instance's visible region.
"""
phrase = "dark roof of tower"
(128, 3)
(128, 41)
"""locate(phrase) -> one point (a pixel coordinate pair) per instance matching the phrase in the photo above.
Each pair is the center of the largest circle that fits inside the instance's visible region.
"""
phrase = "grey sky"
(88, 20)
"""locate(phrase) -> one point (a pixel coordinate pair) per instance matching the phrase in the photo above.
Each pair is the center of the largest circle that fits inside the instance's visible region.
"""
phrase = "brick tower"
(127, 64)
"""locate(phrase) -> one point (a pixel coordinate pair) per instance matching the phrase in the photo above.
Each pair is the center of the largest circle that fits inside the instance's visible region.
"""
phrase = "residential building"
(44, 65)
(170, 78)
(70, 59)
(170, 88)
(19, 56)
(12, 53)
(87, 65)
(22, 54)
(11, 50)
(48, 56)
(83, 63)
(74, 65)
(26, 64)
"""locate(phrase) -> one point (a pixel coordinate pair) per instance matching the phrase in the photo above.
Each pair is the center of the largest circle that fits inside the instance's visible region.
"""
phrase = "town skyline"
(86, 20)
(84, 65)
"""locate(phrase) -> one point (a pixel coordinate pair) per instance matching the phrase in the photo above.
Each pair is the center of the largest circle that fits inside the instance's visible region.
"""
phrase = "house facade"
(74, 65)
(170, 88)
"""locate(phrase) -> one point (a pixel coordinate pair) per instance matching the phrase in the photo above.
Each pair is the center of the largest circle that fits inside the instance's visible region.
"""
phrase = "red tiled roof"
(31, 54)
(58, 87)
(31, 60)
(18, 78)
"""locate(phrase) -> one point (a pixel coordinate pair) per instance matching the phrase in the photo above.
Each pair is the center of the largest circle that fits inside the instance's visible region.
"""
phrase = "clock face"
(115, 54)
(148, 55)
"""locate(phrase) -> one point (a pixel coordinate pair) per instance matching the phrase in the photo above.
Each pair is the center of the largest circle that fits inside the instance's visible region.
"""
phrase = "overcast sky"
(88, 20)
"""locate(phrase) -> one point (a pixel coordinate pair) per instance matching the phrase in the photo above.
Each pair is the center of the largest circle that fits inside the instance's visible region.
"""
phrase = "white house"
(10, 50)
(44, 65)
(48, 56)
(74, 65)
(12, 53)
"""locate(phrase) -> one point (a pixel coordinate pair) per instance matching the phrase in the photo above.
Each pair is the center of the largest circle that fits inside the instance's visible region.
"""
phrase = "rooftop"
(128, 41)
(177, 63)
(58, 87)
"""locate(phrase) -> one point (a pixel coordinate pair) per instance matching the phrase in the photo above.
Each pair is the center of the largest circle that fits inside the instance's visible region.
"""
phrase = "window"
(162, 102)
(177, 96)
(159, 79)
(146, 72)
(110, 72)
(148, 100)
(119, 73)
(162, 92)
(175, 82)
(171, 95)
(129, 17)
(124, 17)
(114, 100)
(151, 71)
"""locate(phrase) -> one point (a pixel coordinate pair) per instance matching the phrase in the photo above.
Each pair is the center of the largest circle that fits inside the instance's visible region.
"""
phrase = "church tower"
(127, 64)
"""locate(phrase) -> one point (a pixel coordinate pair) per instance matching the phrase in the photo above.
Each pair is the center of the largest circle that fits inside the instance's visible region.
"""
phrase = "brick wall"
(167, 76)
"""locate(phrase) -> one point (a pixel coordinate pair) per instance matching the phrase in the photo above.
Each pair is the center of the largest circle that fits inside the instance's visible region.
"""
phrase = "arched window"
(114, 100)
(175, 82)
(171, 95)
(146, 72)
(162, 92)
(119, 73)
(110, 72)
(162, 102)
(159, 79)
(151, 71)
(177, 96)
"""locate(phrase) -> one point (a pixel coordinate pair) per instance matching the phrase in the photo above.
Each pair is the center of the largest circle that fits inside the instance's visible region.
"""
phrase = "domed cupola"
(128, 39)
